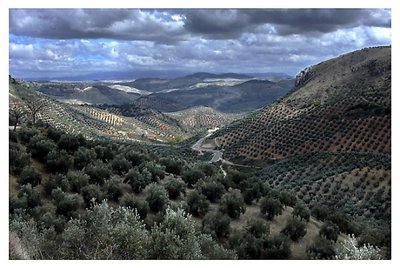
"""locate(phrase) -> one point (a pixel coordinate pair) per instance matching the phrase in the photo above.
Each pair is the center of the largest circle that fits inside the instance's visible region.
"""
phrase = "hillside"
(91, 121)
(329, 139)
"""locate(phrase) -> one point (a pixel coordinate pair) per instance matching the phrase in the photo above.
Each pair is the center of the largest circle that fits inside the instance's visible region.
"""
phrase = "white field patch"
(209, 82)
(73, 101)
(129, 89)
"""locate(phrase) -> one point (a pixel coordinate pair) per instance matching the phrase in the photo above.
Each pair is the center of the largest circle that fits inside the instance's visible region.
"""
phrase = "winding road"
(217, 156)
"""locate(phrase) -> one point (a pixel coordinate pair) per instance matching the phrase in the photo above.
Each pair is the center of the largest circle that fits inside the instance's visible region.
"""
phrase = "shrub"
(68, 143)
(58, 162)
(66, 204)
(198, 204)
(246, 245)
(83, 157)
(30, 196)
(277, 247)
(236, 176)
(190, 177)
(175, 188)
(130, 200)
(216, 224)
(232, 204)
(56, 181)
(25, 134)
(156, 171)
(54, 134)
(136, 158)
(329, 231)
(258, 228)
(212, 189)
(319, 212)
(172, 165)
(98, 172)
(157, 197)
(112, 188)
(321, 249)
(92, 191)
(287, 198)
(77, 180)
(252, 189)
(300, 210)
(138, 181)
(294, 229)
(120, 166)
(29, 175)
(50, 219)
(348, 250)
(18, 160)
(40, 146)
(104, 153)
(270, 207)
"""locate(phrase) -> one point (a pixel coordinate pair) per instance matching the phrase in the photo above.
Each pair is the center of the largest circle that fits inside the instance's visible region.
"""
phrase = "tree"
(198, 204)
(66, 204)
(98, 172)
(329, 231)
(77, 180)
(232, 204)
(319, 212)
(131, 201)
(29, 175)
(138, 181)
(216, 224)
(68, 142)
(55, 181)
(190, 177)
(58, 162)
(211, 188)
(348, 250)
(120, 165)
(287, 198)
(34, 107)
(294, 229)
(16, 113)
(175, 188)
(112, 188)
(92, 192)
(321, 249)
(172, 165)
(300, 210)
(270, 207)
(83, 157)
(277, 247)
(258, 228)
(39, 147)
(157, 197)
(18, 159)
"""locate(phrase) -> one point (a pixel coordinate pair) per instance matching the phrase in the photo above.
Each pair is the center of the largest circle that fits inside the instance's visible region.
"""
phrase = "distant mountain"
(204, 75)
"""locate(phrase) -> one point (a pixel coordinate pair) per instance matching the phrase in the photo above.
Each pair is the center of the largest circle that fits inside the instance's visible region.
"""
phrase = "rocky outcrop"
(304, 76)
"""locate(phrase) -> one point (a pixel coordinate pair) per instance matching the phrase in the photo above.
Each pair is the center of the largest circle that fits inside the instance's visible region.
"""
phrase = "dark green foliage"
(258, 228)
(120, 165)
(320, 212)
(287, 198)
(208, 169)
(104, 153)
(246, 245)
(270, 207)
(175, 188)
(56, 181)
(252, 189)
(30, 196)
(174, 166)
(157, 171)
(277, 247)
(321, 249)
(18, 159)
(211, 188)
(157, 197)
(138, 181)
(136, 158)
(68, 143)
(213, 251)
(12, 136)
(77, 180)
(329, 231)
(54, 134)
(58, 162)
(66, 204)
(216, 224)
(236, 176)
(301, 210)
(50, 219)
(345, 225)
(92, 192)
(83, 157)
(294, 229)
(25, 134)
(192, 176)
(112, 188)
(39, 146)
(232, 203)
(29, 175)
(130, 200)
(198, 204)
(98, 172)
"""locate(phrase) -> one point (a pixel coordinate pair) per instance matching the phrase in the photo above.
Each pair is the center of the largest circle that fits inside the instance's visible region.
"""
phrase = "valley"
(248, 168)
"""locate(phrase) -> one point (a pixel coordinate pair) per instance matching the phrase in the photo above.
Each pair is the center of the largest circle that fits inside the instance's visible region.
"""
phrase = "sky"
(134, 43)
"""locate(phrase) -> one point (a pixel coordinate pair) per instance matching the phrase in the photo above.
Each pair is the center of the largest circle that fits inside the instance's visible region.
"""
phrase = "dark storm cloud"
(166, 26)
(123, 24)
(223, 24)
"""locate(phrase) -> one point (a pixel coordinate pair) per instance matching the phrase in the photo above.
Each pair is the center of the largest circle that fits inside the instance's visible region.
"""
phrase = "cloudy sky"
(130, 43)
